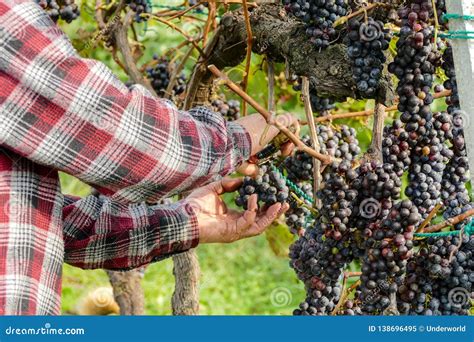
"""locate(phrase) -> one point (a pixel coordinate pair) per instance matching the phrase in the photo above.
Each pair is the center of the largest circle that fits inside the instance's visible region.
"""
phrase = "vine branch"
(121, 41)
(314, 140)
(324, 158)
(449, 222)
(177, 71)
(248, 56)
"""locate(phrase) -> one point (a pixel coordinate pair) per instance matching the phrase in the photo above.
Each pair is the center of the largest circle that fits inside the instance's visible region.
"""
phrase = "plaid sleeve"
(74, 115)
(100, 233)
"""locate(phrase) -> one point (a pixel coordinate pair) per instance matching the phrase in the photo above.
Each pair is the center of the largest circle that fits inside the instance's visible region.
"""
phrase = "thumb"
(226, 184)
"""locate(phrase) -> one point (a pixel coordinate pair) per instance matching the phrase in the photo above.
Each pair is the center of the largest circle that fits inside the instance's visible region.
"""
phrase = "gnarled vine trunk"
(128, 291)
(186, 271)
(282, 39)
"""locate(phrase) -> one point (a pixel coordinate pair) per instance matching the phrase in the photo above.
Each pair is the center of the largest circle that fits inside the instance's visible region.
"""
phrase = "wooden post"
(463, 51)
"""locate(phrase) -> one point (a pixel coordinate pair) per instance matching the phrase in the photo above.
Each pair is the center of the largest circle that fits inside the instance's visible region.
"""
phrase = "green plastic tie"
(458, 35)
(468, 229)
(293, 186)
(449, 16)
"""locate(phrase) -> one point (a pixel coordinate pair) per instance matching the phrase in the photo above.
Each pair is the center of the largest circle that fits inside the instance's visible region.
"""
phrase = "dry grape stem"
(369, 112)
(314, 140)
(449, 222)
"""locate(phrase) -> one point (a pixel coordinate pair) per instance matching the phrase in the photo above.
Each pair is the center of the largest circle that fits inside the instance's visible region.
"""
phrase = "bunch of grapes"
(159, 77)
(319, 17)
(139, 7)
(396, 148)
(414, 69)
(319, 261)
(270, 187)
(388, 245)
(337, 199)
(230, 110)
(441, 271)
(66, 10)
(415, 66)
(454, 192)
(378, 186)
(366, 43)
(321, 104)
(340, 143)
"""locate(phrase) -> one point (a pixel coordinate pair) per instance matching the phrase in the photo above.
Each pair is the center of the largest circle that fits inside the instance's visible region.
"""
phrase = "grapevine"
(357, 201)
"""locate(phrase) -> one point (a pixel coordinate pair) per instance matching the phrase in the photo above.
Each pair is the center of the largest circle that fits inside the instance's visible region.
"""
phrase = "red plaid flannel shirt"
(62, 112)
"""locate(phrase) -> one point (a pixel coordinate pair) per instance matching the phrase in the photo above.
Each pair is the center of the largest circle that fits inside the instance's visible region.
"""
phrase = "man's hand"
(262, 134)
(217, 223)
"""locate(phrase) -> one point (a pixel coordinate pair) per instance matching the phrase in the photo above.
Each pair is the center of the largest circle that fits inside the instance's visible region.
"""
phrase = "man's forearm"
(100, 233)
(76, 116)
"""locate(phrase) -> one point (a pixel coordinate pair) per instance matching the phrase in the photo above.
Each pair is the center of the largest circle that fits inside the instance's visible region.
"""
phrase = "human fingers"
(248, 169)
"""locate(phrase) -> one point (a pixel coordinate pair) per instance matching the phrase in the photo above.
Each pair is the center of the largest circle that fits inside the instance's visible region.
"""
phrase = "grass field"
(244, 278)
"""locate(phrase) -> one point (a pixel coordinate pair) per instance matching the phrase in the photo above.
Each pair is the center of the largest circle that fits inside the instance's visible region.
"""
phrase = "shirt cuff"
(182, 231)
(241, 141)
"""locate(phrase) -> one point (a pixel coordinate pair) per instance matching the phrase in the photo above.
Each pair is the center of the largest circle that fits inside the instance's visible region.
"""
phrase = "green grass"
(243, 278)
